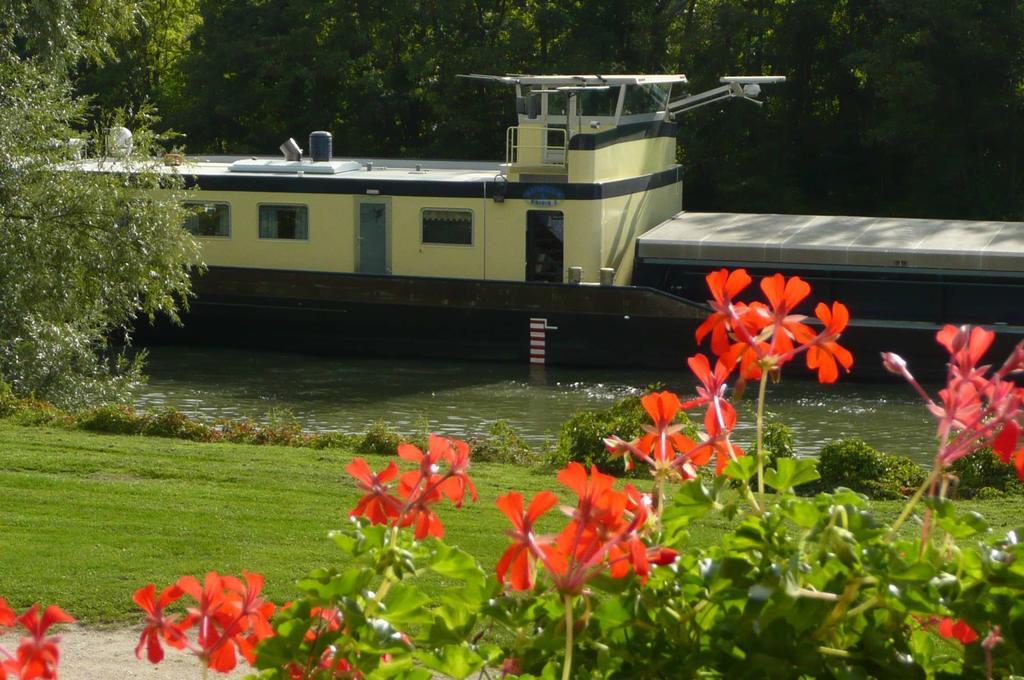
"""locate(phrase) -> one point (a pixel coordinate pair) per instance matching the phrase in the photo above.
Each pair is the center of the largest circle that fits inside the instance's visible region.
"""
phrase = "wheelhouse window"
(447, 226)
(289, 222)
(599, 102)
(208, 219)
(641, 99)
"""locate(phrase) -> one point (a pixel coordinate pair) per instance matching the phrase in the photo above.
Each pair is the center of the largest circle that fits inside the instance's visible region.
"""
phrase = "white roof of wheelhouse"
(586, 80)
(826, 240)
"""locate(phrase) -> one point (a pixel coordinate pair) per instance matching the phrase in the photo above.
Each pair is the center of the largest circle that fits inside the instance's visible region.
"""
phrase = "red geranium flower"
(516, 564)
(379, 506)
(784, 296)
(38, 655)
(724, 286)
(966, 345)
(6, 614)
(157, 625)
(456, 485)
(825, 351)
(957, 630)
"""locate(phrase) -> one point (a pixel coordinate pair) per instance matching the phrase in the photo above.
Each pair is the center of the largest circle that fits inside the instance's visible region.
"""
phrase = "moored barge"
(573, 251)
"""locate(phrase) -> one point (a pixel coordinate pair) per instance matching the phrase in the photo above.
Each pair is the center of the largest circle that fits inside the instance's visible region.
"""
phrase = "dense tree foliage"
(81, 253)
(892, 106)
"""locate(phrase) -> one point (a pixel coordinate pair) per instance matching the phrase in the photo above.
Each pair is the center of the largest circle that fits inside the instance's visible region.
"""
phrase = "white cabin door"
(373, 237)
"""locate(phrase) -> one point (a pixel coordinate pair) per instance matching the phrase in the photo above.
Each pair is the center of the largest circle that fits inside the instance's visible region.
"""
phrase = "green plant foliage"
(502, 445)
(334, 440)
(112, 419)
(175, 424)
(248, 431)
(580, 438)
(853, 464)
(31, 411)
(8, 402)
(778, 442)
(380, 439)
(983, 475)
(385, 612)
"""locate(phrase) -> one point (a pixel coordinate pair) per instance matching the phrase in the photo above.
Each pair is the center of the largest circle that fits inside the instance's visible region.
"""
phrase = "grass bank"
(85, 518)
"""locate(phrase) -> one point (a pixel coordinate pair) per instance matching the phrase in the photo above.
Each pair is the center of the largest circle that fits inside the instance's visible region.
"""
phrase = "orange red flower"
(419, 489)
(38, 654)
(756, 337)
(229, 615)
(604, 533)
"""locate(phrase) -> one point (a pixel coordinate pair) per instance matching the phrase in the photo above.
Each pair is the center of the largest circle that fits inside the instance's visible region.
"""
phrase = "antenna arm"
(708, 97)
(744, 87)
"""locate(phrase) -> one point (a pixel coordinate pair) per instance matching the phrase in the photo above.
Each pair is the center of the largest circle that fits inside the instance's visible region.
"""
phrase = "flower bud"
(894, 363)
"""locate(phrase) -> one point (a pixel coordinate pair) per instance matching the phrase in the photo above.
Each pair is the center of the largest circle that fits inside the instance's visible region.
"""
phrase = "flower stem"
(912, 503)
(567, 667)
(760, 436)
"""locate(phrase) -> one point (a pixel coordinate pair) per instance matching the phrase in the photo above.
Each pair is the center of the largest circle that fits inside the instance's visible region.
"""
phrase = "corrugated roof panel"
(838, 240)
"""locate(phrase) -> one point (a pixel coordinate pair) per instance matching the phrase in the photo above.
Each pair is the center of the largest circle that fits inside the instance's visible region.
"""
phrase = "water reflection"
(464, 399)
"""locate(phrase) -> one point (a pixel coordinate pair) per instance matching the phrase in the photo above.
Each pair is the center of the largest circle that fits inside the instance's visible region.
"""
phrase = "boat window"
(645, 99)
(556, 104)
(447, 226)
(594, 102)
(208, 219)
(284, 221)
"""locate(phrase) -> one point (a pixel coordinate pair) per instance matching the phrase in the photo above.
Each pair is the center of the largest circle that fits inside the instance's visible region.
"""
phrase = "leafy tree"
(81, 252)
(61, 32)
(144, 65)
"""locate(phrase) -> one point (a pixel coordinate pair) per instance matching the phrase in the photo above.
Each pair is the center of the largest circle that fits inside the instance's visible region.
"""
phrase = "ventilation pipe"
(291, 150)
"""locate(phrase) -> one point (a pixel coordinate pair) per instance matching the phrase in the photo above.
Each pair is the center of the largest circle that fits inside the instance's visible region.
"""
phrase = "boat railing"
(535, 145)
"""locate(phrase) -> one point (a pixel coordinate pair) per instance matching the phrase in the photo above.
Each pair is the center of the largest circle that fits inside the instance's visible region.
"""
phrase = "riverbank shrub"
(249, 431)
(334, 440)
(778, 442)
(581, 437)
(985, 477)
(111, 419)
(8, 400)
(31, 412)
(853, 464)
(502, 444)
(173, 424)
(380, 439)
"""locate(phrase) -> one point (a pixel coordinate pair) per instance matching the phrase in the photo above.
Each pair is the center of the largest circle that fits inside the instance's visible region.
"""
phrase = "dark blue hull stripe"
(511, 190)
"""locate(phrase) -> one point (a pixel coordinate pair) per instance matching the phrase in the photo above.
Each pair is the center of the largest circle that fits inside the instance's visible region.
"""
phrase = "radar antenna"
(744, 87)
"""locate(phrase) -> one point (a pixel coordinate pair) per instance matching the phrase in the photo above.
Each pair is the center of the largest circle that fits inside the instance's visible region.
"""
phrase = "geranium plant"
(813, 586)
(797, 586)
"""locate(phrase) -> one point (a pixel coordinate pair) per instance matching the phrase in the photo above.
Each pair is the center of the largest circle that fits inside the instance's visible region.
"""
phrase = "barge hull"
(393, 316)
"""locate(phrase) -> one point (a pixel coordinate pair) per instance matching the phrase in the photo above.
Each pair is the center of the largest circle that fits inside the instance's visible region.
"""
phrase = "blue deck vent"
(320, 146)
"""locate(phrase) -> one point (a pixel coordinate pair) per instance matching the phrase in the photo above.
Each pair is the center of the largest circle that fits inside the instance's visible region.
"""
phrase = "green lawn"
(85, 519)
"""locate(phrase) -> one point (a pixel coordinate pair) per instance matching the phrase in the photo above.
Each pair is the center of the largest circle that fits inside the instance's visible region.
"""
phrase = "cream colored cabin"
(589, 167)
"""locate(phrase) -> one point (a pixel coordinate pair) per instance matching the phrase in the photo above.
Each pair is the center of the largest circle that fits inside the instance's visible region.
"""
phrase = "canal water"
(464, 398)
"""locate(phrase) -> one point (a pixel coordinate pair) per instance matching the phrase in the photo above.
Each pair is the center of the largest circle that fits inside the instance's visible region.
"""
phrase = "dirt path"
(88, 654)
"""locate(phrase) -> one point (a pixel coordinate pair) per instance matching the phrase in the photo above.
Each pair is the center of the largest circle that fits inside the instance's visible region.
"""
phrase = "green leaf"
(790, 473)
(613, 613)
(453, 562)
(331, 588)
(399, 668)
(404, 604)
(916, 571)
(964, 524)
(806, 514)
(691, 502)
(742, 469)
(458, 661)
